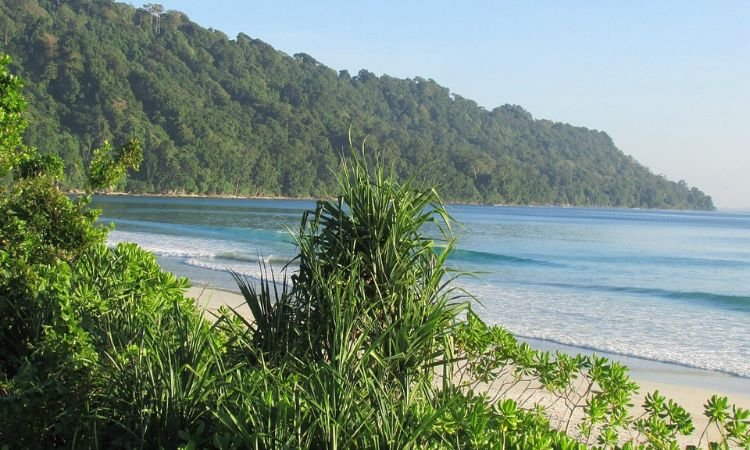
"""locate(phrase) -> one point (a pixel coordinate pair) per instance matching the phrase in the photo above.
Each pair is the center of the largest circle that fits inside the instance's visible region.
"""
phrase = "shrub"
(364, 324)
(98, 346)
(159, 360)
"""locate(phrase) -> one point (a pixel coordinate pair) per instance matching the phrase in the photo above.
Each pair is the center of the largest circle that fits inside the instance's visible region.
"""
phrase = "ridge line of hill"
(237, 117)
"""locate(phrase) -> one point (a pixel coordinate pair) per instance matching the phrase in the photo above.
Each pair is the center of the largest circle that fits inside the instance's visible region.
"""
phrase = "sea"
(665, 286)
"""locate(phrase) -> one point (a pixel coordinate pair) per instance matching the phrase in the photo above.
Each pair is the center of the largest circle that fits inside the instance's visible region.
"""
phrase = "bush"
(98, 346)
(159, 359)
(363, 326)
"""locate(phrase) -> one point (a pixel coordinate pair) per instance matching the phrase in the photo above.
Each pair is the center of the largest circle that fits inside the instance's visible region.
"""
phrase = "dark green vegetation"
(238, 117)
(366, 346)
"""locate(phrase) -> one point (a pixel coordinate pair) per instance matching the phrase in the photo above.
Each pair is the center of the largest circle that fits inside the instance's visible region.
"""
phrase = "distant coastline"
(447, 202)
(188, 195)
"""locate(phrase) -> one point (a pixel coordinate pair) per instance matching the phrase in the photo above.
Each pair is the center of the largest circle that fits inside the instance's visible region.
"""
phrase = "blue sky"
(668, 80)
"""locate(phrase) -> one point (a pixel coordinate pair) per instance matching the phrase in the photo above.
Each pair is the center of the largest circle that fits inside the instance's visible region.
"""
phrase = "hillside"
(239, 117)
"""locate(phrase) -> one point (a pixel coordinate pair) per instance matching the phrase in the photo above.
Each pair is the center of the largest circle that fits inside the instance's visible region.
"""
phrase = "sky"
(669, 81)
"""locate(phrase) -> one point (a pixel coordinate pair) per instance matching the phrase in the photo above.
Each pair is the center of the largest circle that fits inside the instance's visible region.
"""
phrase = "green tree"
(12, 123)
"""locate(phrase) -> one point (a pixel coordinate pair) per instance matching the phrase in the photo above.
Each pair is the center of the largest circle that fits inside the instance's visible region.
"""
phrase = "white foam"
(192, 247)
(170, 245)
(249, 270)
(691, 335)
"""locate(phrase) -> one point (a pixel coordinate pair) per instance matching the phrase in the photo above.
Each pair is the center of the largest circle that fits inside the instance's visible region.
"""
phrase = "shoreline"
(211, 299)
(281, 197)
(689, 387)
(652, 370)
(187, 195)
(642, 369)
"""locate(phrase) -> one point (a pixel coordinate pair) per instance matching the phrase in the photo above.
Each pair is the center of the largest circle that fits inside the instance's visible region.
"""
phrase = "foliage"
(12, 123)
(238, 117)
(42, 224)
(596, 394)
(121, 357)
(159, 359)
(373, 232)
(98, 346)
(42, 165)
(108, 165)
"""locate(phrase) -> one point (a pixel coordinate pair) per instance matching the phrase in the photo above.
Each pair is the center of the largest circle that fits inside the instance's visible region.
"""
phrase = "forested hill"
(238, 117)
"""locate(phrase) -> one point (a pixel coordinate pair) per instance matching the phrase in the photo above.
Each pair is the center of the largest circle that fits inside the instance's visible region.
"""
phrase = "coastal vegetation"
(367, 345)
(235, 116)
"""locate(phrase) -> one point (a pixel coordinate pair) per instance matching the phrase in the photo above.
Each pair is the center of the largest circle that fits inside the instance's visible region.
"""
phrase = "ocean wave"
(167, 245)
(739, 302)
(691, 334)
(666, 260)
(246, 258)
(256, 271)
(479, 257)
(678, 359)
(198, 230)
(190, 247)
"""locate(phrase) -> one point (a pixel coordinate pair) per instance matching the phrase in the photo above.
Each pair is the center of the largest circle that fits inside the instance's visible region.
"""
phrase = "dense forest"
(235, 116)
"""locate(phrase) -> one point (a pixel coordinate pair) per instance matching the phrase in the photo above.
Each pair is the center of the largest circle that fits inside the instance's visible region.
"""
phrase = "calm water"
(667, 286)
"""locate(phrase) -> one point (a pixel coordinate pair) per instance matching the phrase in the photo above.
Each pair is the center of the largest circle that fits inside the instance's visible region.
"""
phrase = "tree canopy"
(235, 116)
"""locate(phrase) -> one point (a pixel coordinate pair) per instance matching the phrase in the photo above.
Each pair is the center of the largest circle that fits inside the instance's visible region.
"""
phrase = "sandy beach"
(689, 387)
(211, 300)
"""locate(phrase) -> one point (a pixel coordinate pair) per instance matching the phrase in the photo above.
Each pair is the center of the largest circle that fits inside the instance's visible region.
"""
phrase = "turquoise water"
(661, 285)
